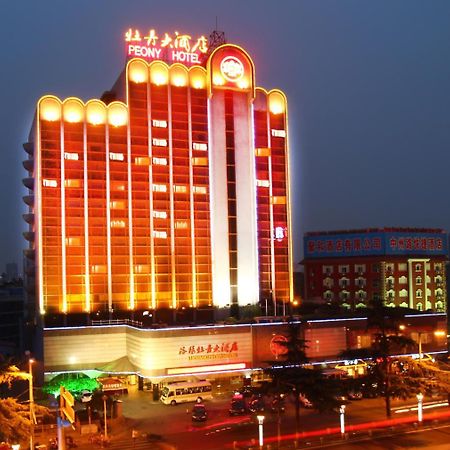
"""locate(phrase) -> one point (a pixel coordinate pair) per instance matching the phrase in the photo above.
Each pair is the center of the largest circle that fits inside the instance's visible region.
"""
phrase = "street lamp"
(31, 398)
(260, 427)
(104, 398)
(342, 419)
(419, 407)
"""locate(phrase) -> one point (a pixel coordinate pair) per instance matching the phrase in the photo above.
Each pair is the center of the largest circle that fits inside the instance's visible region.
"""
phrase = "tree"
(294, 373)
(384, 373)
(15, 422)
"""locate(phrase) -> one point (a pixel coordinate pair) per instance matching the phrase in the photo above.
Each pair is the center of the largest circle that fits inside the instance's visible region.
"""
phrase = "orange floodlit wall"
(123, 191)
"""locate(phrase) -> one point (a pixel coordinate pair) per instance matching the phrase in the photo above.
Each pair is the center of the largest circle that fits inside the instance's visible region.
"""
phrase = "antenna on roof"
(216, 38)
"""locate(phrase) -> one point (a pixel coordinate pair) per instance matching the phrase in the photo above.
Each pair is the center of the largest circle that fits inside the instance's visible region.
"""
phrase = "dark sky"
(368, 85)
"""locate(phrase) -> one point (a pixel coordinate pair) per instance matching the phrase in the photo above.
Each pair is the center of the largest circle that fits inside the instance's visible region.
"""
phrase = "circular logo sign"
(278, 345)
(232, 69)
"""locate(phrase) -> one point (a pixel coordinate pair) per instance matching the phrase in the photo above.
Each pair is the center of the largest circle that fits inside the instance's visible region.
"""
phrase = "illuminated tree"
(15, 423)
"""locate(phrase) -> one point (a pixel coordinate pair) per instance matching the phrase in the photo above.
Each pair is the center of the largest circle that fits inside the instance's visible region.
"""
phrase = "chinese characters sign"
(226, 349)
(379, 243)
(175, 47)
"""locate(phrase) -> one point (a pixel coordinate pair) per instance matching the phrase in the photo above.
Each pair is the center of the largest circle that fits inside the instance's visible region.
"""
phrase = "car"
(355, 395)
(256, 404)
(199, 413)
(85, 396)
(237, 406)
(304, 401)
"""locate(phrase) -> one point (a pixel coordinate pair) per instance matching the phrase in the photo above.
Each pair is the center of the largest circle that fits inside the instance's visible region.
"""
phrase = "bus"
(354, 368)
(185, 391)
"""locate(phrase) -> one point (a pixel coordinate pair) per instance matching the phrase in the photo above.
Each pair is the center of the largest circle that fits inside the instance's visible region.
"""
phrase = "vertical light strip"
(255, 193)
(172, 221)
(38, 216)
(108, 216)
(288, 204)
(63, 221)
(272, 246)
(150, 194)
(191, 200)
(87, 283)
(130, 215)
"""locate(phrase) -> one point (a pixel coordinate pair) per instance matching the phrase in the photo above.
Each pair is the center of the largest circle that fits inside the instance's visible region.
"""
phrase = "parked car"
(304, 401)
(237, 406)
(257, 404)
(199, 413)
(278, 404)
(355, 395)
(85, 396)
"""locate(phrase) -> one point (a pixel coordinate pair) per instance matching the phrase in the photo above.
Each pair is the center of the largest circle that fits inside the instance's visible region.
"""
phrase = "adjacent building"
(401, 266)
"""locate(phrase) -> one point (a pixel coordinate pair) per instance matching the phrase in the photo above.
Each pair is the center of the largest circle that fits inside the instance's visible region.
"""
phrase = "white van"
(186, 391)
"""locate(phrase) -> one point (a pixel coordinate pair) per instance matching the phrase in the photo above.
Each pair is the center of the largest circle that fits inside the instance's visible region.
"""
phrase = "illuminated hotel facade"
(173, 195)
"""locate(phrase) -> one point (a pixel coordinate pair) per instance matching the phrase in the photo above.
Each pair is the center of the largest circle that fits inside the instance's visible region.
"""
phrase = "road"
(220, 430)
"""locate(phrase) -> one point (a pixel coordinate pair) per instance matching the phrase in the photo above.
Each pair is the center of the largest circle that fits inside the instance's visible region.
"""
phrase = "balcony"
(28, 164)
(29, 218)
(29, 200)
(29, 183)
(28, 147)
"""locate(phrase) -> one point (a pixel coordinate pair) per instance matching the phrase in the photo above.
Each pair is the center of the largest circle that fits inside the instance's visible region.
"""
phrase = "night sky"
(368, 86)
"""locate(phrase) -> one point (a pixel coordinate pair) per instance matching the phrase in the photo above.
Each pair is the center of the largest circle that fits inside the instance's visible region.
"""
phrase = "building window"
(438, 267)
(343, 269)
(440, 306)
(376, 268)
(418, 280)
(418, 267)
(328, 295)
(328, 282)
(327, 270)
(419, 293)
(344, 282)
(344, 295)
(403, 293)
(403, 280)
(389, 268)
(390, 282)
(360, 269)
(360, 282)
(402, 267)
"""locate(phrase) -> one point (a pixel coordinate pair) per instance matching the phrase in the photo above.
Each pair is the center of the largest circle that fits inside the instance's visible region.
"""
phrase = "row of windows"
(389, 267)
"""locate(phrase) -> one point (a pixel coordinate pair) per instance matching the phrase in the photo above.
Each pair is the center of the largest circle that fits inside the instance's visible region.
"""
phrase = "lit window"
(117, 204)
(159, 123)
(180, 189)
(262, 183)
(118, 223)
(199, 161)
(199, 146)
(49, 183)
(159, 161)
(199, 189)
(159, 142)
(181, 225)
(142, 161)
(159, 214)
(160, 234)
(278, 133)
(159, 188)
(116, 156)
(73, 241)
(71, 156)
(70, 183)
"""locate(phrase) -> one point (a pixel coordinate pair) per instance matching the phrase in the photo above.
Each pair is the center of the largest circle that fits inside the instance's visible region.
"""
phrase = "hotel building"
(401, 266)
(173, 193)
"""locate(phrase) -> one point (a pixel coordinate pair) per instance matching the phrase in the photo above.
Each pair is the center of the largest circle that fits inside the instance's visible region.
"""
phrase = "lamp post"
(104, 398)
(419, 407)
(261, 432)
(31, 398)
(342, 419)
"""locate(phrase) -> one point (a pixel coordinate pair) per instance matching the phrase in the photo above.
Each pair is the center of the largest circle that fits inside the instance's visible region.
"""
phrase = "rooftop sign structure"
(173, 47)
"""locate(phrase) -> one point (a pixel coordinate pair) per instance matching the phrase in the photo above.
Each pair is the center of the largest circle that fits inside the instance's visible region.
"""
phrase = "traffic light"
(66, 402)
